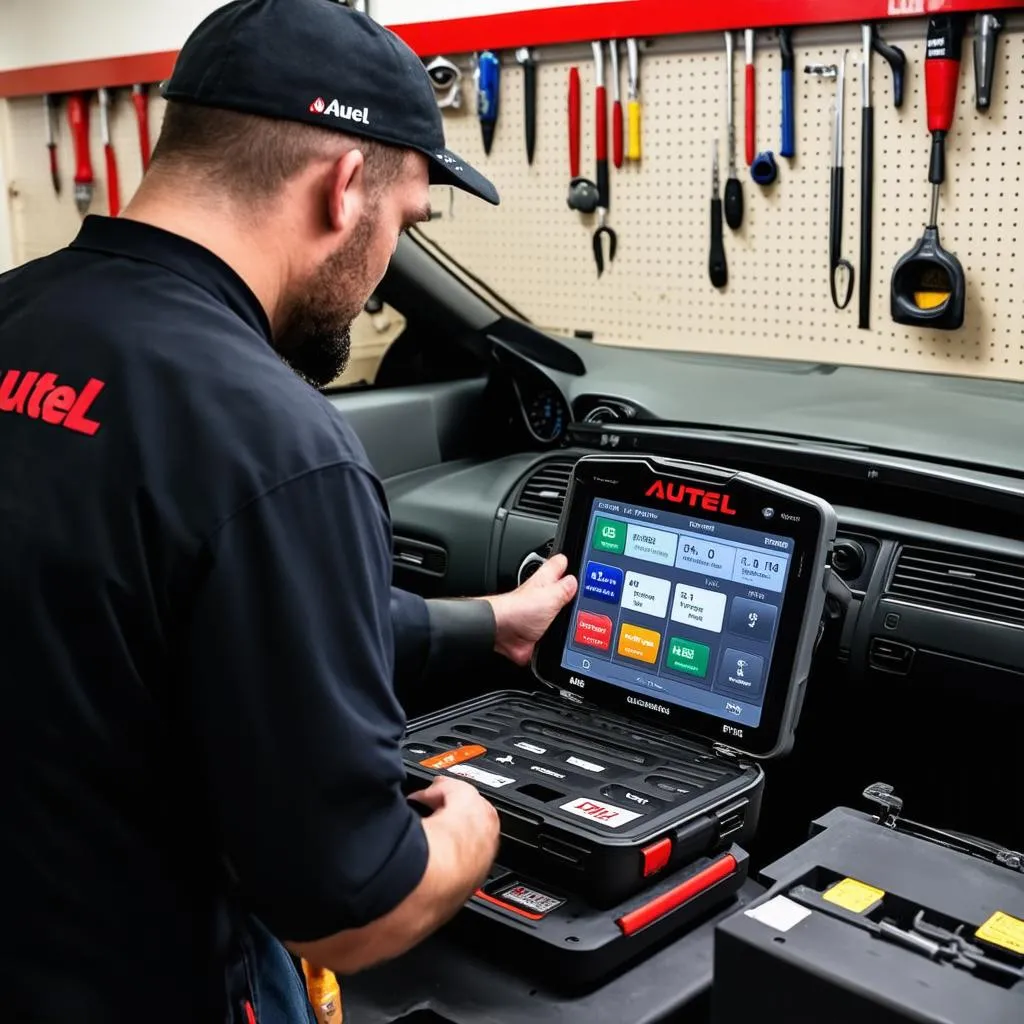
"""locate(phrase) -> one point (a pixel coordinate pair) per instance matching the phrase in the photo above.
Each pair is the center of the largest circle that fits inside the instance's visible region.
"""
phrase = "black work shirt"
(199, 639)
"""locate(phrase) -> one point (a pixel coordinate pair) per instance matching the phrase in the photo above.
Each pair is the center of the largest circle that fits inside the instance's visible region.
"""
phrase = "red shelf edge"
(546, 27)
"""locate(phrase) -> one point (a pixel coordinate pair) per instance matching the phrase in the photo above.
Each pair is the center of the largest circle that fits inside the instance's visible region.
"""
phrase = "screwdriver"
(78, 119)
(717, 269)
(51, 141)
(733, 191)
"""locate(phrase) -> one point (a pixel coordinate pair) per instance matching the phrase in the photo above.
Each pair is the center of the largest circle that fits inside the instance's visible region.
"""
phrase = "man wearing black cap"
(200, 736)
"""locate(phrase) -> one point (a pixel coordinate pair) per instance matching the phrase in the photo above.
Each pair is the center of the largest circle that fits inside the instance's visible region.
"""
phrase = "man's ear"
(346, 198)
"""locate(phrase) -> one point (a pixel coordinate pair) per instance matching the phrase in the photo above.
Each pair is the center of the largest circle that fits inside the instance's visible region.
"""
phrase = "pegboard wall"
(657, 294)
(537, 253)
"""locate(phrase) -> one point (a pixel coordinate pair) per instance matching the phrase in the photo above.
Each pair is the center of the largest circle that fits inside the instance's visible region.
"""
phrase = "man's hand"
(522, 615)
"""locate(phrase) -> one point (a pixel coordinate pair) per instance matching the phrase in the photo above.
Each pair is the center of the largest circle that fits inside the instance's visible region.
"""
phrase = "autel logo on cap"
(694, 497)
(336, 109)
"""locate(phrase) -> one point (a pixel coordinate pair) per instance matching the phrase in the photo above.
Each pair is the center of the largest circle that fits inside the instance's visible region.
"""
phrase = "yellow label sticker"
(1003, 930)
(853, 895)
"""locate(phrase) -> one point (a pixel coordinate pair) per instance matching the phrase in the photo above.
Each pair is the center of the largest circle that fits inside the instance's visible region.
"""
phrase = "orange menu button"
(639, 643)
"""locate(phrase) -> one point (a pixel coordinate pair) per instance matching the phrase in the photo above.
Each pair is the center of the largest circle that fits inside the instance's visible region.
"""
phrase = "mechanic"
(201, 733)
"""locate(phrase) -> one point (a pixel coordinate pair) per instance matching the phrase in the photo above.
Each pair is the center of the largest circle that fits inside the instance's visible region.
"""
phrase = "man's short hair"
(251, 157)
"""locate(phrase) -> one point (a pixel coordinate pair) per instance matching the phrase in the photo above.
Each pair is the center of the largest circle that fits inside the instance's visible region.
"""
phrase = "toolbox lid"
(701, 591)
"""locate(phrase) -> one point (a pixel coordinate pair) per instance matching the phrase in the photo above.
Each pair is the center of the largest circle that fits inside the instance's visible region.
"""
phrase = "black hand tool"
(529, 66)
(603, 180)
(986, 30)
(867, 188)
(50, 111)
(717, 269)
(733, 189)
(838, 267)
(897, 61)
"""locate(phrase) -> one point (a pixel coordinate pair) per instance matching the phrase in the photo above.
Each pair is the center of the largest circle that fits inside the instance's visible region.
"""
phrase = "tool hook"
(613, 241)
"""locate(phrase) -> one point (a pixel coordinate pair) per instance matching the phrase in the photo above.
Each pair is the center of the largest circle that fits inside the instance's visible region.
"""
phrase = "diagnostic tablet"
(701, 591)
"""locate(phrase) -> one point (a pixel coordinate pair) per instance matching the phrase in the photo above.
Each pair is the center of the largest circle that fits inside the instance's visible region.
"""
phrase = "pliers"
(603, 182)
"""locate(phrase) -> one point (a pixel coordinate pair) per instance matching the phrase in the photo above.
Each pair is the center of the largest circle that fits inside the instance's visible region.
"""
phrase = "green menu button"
(610, 536)
(687, 656)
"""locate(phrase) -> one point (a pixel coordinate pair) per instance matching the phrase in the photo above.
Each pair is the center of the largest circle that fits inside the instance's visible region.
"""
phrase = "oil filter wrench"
(928, 286)
(840, 270)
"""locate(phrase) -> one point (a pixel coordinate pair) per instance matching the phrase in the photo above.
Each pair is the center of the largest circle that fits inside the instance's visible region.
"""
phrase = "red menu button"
(593, 630)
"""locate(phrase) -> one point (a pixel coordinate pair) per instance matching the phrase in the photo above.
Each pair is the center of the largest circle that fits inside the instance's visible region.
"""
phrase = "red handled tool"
(113, 186)
(583, 194)
(748, 39)
(574, 122)
(617, 123)
(78, 120)
(140, 97)
(50, 110)
(928, 286)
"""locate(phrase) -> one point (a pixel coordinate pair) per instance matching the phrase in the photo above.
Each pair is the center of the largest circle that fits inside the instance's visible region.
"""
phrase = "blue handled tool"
(488, 75)
(788, 145)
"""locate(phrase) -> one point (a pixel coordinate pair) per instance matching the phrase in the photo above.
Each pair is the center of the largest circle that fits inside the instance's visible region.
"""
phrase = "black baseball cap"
(321, 63)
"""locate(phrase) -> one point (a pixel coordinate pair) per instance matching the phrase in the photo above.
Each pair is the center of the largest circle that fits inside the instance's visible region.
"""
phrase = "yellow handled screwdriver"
(324, 994)
(633, 95)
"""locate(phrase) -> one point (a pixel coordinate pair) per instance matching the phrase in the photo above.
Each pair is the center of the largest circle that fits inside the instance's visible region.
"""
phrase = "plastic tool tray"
(587, 799)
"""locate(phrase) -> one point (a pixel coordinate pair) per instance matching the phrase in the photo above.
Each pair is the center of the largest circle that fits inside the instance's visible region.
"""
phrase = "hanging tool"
(446, 78)
(617, 126)
(986, 30)
(603, 178)
(488, 81)
(787, 148)
(839, 269)
(897, 61)
(867, 188)
(748, 39)
(50, 112)
(583, 194)
(113, 186)
(78, 121)
(140, 99)
(633, 95)
(928, 287)
(764, 170)
(733, 190)
(717, 269)
(529, 66)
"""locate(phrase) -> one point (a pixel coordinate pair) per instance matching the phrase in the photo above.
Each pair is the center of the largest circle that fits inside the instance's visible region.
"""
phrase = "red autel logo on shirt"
(40, 396)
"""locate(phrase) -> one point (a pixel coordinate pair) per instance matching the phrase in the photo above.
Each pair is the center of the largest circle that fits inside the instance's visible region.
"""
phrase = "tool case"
(873, 920)
(589, 800)
(679, 666)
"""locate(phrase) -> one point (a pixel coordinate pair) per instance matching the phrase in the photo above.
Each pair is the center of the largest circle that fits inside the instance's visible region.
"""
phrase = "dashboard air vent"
(957, 582)
(543, 493)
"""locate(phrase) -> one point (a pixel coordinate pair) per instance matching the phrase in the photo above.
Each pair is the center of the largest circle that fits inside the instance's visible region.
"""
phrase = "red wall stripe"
(545, 27)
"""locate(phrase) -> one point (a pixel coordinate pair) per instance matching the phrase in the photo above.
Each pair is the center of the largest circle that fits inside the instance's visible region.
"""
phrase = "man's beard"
(314, 332)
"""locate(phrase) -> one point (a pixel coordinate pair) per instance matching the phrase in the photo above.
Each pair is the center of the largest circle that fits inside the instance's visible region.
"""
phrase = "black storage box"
(589, 801)
(866, 923)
